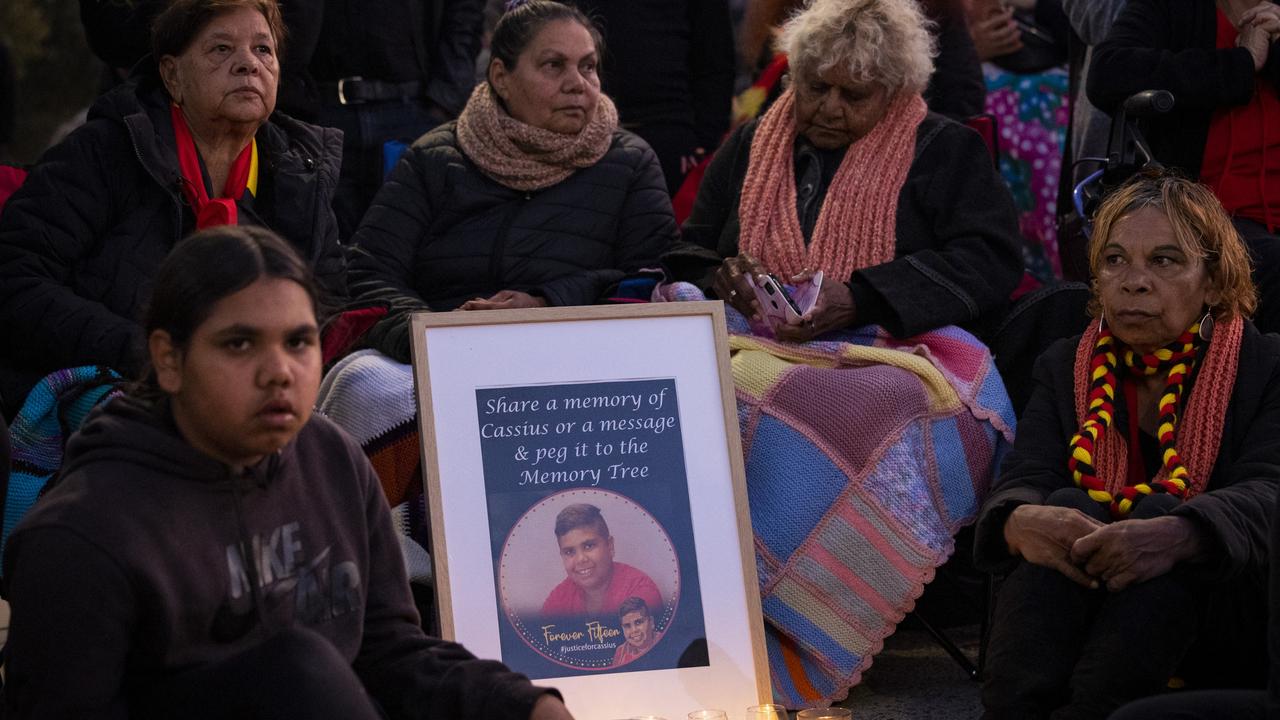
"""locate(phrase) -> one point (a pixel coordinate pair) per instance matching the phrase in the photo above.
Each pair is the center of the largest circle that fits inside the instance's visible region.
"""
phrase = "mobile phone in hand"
(780, 305)
(775, 301)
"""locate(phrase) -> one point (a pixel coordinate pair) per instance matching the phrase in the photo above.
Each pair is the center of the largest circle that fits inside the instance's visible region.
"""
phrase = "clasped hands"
(1258, 27)
(504, 300)
(1095, 554)
(833, 310)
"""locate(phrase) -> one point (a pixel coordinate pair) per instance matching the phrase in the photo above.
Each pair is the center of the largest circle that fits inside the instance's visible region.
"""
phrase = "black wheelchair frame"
(1127, 153)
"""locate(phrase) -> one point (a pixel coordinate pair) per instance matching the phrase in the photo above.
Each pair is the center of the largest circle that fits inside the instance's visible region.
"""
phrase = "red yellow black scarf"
(1177, 361)
(243, 176)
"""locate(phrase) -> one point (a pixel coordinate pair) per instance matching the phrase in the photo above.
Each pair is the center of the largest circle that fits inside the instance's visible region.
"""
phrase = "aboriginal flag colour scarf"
(211, 212)
(1189, 429)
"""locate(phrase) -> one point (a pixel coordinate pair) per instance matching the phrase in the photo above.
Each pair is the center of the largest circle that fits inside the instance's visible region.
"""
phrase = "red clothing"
(627, 652)
(1242, 152)
(567, 599)
(10, 180)
(1137, 466)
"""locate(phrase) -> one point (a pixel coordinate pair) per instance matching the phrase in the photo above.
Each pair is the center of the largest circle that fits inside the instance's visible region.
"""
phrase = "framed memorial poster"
(588, 509)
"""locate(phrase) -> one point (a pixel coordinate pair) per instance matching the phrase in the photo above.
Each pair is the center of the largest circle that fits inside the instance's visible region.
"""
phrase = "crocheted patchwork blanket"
(864, 455)
(370, 396)
(53, 410)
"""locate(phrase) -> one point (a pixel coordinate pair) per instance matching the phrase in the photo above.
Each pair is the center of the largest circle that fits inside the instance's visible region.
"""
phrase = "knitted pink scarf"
(1199, 431)
(856, 225)
(524, 157)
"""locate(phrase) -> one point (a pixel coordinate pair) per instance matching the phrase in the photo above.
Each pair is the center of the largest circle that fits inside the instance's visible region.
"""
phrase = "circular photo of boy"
(589, 579)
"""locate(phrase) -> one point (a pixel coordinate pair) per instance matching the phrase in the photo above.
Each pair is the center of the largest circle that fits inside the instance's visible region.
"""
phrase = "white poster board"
(588, 509)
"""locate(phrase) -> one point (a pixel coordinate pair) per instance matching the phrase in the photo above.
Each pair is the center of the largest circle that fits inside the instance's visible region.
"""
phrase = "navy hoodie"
(143, 559)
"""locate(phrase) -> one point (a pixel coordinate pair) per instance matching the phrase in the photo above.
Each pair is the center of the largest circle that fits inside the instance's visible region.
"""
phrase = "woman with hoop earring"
(1133, 513)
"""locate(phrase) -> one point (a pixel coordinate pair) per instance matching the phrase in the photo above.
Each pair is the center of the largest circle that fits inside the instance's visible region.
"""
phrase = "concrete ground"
(914, 678)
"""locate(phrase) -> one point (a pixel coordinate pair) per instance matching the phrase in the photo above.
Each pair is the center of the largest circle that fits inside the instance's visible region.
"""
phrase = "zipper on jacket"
(178, 201)
(500, 244)
(177, 196)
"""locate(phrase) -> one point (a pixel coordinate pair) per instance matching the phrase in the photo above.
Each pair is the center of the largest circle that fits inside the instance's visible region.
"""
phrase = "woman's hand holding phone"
(733, 284)
(833, 310)
(741, 281)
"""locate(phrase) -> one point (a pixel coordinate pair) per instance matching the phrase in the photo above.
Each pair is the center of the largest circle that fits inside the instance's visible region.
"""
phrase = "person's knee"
(294, 673)
(301, 660)
(1147, 709)
(1073, 497)
(309, 678)
(1028, 579)
(1154, 505)
(1202, 705)
(299, 641)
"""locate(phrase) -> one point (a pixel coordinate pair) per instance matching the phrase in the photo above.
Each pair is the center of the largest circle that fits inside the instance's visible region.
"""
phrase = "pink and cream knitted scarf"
(856, 225)
(1198, 433)
(524, 157)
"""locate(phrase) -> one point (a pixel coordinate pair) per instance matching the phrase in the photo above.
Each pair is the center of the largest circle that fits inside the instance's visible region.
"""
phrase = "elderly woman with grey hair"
(871, 424)
(849, 174)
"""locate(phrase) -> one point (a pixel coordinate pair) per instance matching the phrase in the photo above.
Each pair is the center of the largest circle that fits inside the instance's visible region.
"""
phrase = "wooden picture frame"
(544, 431)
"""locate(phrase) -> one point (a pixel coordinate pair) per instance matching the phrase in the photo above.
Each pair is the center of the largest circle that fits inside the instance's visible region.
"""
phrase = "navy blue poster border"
(603, 462)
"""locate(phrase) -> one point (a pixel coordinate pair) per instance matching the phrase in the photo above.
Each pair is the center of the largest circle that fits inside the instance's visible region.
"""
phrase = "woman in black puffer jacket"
(82, 239)
(533, 197)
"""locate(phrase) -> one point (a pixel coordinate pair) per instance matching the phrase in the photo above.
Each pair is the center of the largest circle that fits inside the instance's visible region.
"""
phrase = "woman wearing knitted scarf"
(533, 197)
(1133, 510)
(849, 174)
(914, 233)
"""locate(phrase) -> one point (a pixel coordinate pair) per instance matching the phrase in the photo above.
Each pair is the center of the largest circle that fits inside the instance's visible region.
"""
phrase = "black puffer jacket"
(83, 237)
(441, 232)
(1235, 508)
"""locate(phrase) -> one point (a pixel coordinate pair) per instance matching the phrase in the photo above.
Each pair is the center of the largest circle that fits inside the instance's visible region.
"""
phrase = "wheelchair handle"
(1148, 103)
(1128, 150)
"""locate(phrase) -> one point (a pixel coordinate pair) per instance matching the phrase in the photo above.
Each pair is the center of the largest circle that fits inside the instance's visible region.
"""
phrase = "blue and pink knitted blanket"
(52, 411)
(864, 455)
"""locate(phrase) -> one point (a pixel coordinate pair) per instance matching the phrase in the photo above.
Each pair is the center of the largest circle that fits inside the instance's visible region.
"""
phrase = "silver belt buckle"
(342, 95)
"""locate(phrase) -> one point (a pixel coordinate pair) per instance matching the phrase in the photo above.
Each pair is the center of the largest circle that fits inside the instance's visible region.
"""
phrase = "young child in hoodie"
(214, 550)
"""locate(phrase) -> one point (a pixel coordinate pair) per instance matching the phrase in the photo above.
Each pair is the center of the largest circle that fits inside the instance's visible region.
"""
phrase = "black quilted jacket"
(957, 256)
(83, 237)
(1234, 510)
(441, 232)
